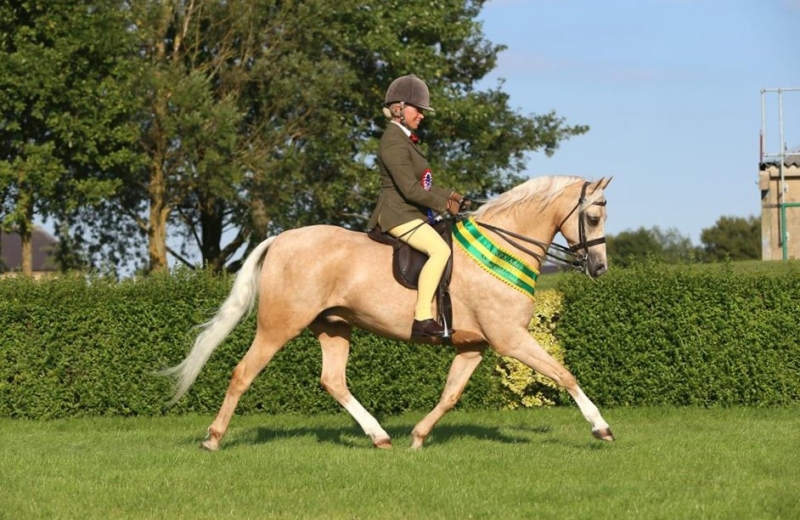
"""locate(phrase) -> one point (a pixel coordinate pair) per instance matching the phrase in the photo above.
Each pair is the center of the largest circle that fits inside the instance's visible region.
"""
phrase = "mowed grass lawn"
(543, 464)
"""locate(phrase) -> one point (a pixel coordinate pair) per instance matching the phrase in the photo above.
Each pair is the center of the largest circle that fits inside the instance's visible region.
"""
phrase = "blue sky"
(671, 90)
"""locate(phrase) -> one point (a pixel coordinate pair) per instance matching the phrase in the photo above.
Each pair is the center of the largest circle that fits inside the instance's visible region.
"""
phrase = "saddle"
(407, 263)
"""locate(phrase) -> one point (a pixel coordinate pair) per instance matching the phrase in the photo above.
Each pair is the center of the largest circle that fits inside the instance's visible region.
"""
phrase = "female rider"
(408, 200)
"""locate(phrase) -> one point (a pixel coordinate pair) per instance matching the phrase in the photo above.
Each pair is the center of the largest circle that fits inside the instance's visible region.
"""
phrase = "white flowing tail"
(239, 303)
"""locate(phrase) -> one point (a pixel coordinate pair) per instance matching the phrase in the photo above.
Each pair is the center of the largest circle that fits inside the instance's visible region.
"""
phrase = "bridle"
(575, 257)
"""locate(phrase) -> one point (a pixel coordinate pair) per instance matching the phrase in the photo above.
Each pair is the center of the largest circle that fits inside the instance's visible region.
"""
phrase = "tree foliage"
(300, 86)
(254, 116)
(635, 245)
(737, 238)
(734, 238)
(65, 127)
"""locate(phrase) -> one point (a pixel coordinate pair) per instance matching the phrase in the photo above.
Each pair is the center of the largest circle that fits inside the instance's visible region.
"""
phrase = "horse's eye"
(593, 220)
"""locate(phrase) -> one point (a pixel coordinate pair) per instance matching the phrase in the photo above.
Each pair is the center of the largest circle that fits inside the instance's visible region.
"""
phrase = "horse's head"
(583, 227)
(578, 211)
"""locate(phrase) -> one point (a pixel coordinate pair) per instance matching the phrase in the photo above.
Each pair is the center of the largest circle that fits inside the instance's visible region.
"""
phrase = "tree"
(261, 115)
(64, 118)
(223, 113)
(737, 238)
(630, 246)
(475, 142)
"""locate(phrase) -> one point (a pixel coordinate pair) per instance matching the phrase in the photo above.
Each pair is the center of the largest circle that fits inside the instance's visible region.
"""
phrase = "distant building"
(43, 245)
(779, 184)
(780, 215)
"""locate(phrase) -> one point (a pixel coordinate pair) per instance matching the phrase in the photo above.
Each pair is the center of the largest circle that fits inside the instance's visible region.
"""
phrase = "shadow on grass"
(352, 436)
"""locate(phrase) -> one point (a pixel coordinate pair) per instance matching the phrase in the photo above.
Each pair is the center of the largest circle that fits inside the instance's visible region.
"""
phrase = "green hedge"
(89, 347)
(687, 335)
(649, 335)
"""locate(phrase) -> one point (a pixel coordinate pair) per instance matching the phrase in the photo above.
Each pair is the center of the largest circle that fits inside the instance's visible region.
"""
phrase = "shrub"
(651, 334)
(525, 387)
(76, 346)
(688, 335)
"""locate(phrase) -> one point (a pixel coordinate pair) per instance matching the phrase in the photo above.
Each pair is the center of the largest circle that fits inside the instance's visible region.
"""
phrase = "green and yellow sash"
(494, 259)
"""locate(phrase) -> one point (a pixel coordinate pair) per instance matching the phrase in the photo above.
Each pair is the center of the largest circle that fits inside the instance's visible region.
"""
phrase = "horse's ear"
(600, 184)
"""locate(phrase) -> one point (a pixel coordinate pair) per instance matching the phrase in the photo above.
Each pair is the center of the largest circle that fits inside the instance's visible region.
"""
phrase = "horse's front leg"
(461, 370)
(527, 350)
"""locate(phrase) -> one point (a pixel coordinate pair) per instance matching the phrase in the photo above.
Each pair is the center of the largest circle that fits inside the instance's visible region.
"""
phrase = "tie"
(414, 139)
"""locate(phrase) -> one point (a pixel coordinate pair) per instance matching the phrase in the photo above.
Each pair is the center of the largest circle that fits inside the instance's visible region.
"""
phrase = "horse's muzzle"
(597, 270)
(595, 265)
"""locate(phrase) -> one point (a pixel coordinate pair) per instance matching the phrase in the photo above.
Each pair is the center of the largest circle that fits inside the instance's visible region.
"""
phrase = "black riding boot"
(429, 328)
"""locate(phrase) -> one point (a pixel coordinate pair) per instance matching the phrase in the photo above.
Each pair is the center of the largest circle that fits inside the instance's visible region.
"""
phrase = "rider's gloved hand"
(463, 202)
(453, 207)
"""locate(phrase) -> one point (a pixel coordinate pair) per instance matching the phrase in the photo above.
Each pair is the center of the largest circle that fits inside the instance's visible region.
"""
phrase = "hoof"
(383, 444)
(209, 445)
(603, 434)
(417, 442)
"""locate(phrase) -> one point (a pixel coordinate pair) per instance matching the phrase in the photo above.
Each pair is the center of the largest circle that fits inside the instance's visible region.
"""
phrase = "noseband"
(575, 256)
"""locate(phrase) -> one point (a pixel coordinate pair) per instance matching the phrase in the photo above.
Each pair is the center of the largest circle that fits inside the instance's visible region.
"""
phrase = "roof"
(43, 247)
(791, 158)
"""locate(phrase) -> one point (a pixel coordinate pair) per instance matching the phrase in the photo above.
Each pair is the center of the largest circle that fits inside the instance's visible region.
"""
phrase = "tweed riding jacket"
(404, 172)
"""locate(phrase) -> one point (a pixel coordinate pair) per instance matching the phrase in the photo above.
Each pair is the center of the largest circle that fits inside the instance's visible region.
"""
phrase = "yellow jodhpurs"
(423, 237)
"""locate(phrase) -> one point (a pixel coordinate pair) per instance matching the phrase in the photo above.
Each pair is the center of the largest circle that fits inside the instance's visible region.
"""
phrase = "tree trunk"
(160, 205)
(26, 236)
(211, 234)
(25, 228)
(157, 230)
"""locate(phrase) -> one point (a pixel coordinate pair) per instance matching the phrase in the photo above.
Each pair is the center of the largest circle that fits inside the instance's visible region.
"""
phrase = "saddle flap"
(407, 262)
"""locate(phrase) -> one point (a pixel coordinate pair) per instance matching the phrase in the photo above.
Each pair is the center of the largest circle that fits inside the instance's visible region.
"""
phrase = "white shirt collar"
(406, 130)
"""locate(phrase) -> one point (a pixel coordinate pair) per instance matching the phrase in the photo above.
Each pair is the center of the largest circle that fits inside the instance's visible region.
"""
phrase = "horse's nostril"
(598, 270)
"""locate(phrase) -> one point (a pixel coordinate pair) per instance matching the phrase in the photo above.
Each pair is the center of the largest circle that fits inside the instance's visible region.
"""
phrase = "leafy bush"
(74, 346)
(651, 334)
(526, 388)
(689, 335)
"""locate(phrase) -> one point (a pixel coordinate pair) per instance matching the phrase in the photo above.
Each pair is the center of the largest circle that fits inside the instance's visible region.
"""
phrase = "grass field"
(543, 464)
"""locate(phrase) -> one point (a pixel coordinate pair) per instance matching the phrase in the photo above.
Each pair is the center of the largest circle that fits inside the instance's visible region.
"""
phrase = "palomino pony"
(330, 280)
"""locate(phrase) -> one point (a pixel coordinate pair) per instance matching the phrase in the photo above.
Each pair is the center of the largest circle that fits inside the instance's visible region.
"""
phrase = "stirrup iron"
(446, 334)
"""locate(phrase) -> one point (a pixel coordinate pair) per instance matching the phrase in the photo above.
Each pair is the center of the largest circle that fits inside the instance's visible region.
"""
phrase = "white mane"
(543, 189)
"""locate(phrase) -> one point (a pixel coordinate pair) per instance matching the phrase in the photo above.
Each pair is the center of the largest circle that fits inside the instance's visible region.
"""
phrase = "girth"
(407, 263)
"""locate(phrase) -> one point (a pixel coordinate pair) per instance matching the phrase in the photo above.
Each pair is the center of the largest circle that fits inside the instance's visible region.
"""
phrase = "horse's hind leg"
(461, 370)
(260, 353)
(528, 351)
(335, 341)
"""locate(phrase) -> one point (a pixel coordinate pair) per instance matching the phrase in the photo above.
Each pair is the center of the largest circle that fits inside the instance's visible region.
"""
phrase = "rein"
(563, 256)
(571, 257)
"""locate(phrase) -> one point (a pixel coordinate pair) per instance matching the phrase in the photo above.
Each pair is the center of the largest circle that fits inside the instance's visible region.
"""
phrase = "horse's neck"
(533, 221)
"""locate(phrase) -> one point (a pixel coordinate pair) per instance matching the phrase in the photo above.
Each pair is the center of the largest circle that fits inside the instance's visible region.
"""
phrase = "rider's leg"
(423, 237)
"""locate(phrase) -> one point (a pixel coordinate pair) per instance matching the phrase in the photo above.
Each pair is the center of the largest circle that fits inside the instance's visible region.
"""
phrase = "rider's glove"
(453, 207)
